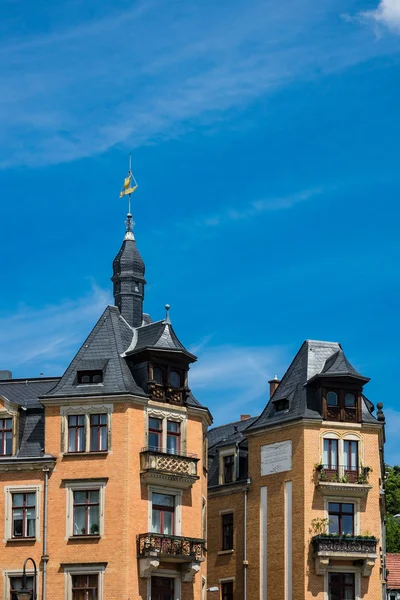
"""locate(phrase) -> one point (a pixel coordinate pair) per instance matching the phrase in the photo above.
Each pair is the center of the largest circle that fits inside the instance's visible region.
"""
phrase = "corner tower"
(128, 278)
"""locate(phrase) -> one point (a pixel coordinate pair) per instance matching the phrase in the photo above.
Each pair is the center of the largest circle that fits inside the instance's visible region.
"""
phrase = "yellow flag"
(129, 190)
(127, 182)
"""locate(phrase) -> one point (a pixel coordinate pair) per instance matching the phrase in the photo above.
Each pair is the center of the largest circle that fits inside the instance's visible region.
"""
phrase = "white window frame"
(10, 411)
(7, 573)
(8, 520)
(93, 409)
(175, 575)
(340, 569)
(231, 451)
(345, 500)
(178, 506)
(77, 486)
(166, 415)
(341, 438)
(94, 569)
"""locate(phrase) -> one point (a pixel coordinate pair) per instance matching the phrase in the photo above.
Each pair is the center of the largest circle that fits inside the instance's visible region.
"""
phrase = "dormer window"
(340, 405)
(281, 405)
(229, 463)
(6, 435)
(90, 377)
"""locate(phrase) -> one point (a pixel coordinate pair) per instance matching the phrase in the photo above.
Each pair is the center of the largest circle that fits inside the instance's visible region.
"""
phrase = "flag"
(127, 191)
(127, 182)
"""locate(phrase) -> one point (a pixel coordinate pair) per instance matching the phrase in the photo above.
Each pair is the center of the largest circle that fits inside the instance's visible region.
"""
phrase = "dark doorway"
(162, 588)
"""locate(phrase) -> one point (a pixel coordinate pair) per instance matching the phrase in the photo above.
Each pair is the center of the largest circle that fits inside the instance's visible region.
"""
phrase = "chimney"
(4, 375)
(273, 384)
(244, 417)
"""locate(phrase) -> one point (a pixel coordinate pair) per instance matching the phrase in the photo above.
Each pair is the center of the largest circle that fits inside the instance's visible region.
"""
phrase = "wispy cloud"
(387, 13)
(234, 379)
(139, 75)
(256, 208)
(44, 340)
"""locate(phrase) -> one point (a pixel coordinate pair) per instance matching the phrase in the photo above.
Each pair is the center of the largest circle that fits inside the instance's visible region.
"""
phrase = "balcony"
(160, 467)
(166, 393)
(342, 481)
(154, 548)
(361, 550)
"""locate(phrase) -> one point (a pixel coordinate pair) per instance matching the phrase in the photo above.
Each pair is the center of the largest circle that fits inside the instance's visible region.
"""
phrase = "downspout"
(245, 561)
(45, 557)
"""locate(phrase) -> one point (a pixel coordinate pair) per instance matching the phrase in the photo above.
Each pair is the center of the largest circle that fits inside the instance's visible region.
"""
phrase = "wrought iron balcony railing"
(344, 543)
(343, 474)
(170, 547)
(156, 464)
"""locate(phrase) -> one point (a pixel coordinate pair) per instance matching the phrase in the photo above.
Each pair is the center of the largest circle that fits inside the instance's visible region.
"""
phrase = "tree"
(392, 489)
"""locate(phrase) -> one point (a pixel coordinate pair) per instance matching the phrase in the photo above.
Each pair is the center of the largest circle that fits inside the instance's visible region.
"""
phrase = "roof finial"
(129, 187)
(167, 319)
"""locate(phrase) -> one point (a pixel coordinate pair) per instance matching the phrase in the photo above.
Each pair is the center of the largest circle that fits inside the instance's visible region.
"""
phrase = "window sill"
(21, 539)
(93, 453)
(73, 538)
(222, 552)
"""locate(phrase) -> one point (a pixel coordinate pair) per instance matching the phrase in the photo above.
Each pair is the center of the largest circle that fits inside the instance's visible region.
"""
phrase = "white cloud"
(44, 340)
(232, 379)
(136, 76)
(387, 13)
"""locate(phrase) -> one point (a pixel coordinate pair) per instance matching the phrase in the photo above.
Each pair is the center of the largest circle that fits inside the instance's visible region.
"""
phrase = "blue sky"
(264, 138)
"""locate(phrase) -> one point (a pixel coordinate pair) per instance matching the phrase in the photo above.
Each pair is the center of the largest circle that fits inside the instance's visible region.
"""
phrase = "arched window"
(175, 379)
(332, 399)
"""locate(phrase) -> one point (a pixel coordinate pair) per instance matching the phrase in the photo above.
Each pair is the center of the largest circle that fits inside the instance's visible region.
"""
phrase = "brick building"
(102, 470)
(295, 499)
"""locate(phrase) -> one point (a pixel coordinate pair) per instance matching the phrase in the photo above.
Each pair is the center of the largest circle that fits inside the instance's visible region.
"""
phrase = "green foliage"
(392, 488)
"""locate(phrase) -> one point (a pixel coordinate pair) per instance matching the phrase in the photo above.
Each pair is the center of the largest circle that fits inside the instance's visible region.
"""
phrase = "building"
(295, 499)
(102, 470)
(393, 576)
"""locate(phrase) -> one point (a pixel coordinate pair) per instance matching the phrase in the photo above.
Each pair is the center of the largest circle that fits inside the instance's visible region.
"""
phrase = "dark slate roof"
(229, 433)
(337, 365)
(26, 392)
(159, 335)
(314, 358)
(105, 345)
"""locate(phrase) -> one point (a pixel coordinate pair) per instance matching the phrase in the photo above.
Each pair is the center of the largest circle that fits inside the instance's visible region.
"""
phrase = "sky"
(264, 139)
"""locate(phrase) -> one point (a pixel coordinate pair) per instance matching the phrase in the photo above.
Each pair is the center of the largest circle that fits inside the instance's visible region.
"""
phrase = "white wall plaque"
(276, 458)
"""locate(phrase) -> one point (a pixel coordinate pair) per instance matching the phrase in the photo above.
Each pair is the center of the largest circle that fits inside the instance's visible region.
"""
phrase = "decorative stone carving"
(321, 564)
(189, 570)
(147, 566)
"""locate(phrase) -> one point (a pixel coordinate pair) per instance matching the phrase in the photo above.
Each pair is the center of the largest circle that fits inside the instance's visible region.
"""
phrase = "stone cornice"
(27, 464)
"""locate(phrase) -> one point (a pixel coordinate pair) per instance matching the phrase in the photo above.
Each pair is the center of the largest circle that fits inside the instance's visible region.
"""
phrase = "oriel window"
(98, 433)
(6, 437)
(23, 515)
(227, 531)
(173, 437)
(85, 587)
(76, 433)
(86, 512)
(163, 509)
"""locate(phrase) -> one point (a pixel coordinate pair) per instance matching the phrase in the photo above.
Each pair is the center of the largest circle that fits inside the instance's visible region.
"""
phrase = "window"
(341, 518)
(85, 587)
(98, 433)
(86, 512)
(282, 404)
(23, 515)
(6, 437)
(90, 377)
(331, 455)
(340, 405)
(155, 433)
(162, 588)
(173, 437)
(227, 590)
(227, 531)
(350, 455)
(228, 462)
(16, 585)
(341, 586)
(158, 374)
(76, 433)
(175, 379)
(163, 508)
